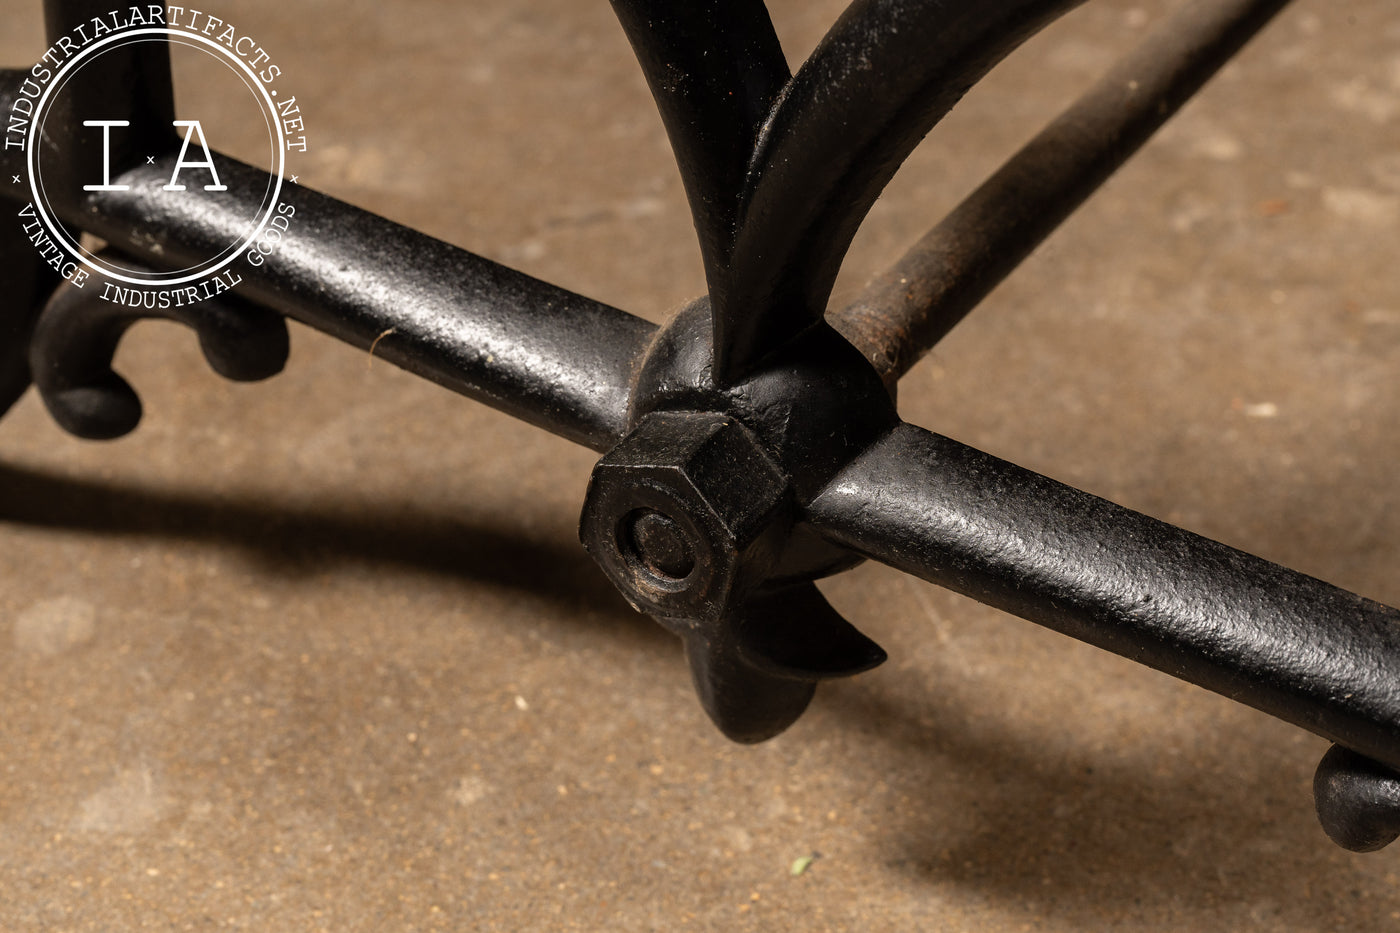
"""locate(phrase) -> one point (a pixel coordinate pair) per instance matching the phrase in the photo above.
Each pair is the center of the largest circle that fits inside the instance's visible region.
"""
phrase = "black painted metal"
(756, 672)
(715, 68)
(1293, 646)
(26, 279)
(77, 335)
(750, 449)
(690, 516)
(908, 309)
(128, 82)
(11, 158)
(880, 79)
(725, 503)
(776, 211)
(536, 351)
(1358, 801)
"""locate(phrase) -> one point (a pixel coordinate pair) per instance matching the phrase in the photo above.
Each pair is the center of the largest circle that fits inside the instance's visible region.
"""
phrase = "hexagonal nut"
(686, 515)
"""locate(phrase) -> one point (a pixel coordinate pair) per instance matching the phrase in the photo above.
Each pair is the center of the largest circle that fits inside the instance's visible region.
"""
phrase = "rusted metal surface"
(909, 308)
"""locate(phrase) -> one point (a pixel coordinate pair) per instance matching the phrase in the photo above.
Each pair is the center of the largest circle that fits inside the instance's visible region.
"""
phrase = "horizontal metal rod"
(1282, 642)
(909, 308)
(535, 351)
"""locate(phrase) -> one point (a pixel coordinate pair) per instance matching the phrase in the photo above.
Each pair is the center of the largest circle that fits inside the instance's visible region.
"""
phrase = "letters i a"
(194, 129)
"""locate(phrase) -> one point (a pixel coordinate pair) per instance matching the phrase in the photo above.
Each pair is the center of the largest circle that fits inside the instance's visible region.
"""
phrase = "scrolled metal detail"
(77, 335)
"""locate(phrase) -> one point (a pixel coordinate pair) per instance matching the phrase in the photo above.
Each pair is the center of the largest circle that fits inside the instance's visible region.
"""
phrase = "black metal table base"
(752, 444)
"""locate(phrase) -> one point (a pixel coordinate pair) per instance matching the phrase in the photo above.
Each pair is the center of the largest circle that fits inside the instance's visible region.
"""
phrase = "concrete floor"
(323, 653)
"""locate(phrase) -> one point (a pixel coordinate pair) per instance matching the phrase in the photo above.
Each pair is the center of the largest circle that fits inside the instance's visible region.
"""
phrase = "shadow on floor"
(293, 539)
(1091, 830)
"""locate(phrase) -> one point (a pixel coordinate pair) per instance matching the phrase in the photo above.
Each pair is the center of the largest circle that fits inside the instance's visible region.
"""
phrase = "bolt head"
(659, 543)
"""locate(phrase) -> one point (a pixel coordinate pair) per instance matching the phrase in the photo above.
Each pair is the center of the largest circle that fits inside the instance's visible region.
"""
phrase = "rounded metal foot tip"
(1358, 800)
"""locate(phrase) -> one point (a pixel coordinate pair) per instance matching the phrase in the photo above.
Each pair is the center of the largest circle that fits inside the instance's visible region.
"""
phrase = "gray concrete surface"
(323, 653)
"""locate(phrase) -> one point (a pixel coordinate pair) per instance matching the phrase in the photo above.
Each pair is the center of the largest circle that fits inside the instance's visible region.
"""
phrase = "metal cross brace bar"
(750, 448)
